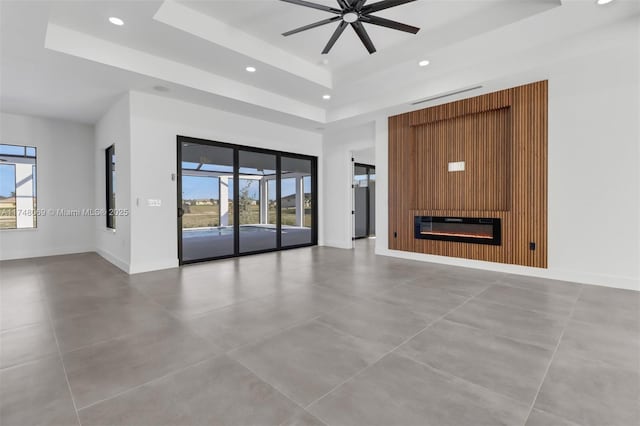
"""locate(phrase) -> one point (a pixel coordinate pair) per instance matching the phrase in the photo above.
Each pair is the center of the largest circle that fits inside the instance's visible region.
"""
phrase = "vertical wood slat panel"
(482, 141)
(517, 116)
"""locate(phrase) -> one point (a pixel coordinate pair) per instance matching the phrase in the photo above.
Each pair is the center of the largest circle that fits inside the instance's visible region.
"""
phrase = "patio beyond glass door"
(236, 200)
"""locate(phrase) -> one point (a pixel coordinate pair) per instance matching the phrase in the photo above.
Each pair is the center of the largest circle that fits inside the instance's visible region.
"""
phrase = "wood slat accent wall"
(502, 137)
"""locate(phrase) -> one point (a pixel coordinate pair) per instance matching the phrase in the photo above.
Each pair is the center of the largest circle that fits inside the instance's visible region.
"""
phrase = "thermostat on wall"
(457, 166)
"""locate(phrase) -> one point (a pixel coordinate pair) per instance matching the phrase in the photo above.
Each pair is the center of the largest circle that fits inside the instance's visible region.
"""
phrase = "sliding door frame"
(236, 196)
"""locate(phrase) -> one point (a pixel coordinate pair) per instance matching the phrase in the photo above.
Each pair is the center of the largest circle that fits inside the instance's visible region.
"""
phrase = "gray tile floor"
(314, 336)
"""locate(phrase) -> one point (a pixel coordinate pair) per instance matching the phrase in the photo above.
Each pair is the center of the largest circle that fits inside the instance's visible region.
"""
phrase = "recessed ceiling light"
(116, 21)
(326, 97)
(250, 69)
(423, 63)
(603, 2)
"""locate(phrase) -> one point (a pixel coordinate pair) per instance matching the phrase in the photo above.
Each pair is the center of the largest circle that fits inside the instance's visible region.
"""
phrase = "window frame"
(34, 166)
(109, 153)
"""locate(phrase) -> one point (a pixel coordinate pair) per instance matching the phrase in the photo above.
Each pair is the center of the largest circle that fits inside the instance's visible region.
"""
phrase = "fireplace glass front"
(460, 229)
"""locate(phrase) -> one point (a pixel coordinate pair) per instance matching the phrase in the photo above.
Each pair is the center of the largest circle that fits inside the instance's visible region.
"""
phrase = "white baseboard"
(114, 260)
(582, 277)
(39, 252)
(339, 244)
(153, 266)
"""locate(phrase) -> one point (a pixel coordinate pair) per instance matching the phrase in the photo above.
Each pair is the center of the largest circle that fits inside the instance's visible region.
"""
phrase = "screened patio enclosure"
(237, 200)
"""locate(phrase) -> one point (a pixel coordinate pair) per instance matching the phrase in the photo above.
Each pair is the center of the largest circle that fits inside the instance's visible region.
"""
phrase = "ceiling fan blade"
(344, 4)
(336, 34)
(314, 25)
(384, 4)
(314, 6)
(364, 37)
(382, 22)
(358, 4)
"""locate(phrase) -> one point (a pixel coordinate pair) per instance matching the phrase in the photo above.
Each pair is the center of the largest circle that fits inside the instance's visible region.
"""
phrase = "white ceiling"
(64, 59)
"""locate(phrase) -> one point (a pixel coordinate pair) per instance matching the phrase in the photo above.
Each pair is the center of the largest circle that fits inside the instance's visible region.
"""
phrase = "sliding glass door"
(256, 170)
(296, 201)
(205, 215)
(238, 200)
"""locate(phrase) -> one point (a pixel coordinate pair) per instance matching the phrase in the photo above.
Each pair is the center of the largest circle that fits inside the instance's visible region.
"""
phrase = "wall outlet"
(457, 166)
(532, 246)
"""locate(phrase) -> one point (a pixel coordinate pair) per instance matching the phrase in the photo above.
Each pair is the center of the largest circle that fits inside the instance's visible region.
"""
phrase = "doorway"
(236, 200)
(364, 196)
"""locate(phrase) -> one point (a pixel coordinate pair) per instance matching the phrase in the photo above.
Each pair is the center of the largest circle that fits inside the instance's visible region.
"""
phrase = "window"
(110, 162)
(17, 187)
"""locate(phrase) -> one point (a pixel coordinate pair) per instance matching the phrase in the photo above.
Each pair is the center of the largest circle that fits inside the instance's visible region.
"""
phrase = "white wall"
(114, 129)
(594, 163)
(64, 181)
(368, 155)
(155, 123)
(338, 147)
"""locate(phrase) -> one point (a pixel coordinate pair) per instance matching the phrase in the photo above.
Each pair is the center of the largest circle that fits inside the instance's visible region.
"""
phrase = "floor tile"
(590, 392)
(384, 324)
(36, 393)
(526, 299)
(612, 344)
(541, 418)
(73, 305)
(201, 295)
(307, 361)
(543, 285)
(398, 391)
(515, 323)
(108, 323)
(101, 371)
(461, 274)
(616, 307)
(464, 286)
(360, 284)
(215, 392)
(18, 314)
(303, 418)
(429, 303)
(247, 322)
(502, 365)
(25, 344)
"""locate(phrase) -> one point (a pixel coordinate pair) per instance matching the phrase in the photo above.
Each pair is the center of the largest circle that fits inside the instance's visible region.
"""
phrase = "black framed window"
(235, 200)
(18, 201)
(110, 168)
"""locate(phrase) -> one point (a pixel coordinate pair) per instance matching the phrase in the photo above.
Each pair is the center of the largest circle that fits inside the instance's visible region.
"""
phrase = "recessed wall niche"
(500, 139)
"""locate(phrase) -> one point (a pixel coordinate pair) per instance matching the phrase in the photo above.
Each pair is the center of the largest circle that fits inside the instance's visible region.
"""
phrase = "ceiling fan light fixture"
(116, 21)
(350, 17)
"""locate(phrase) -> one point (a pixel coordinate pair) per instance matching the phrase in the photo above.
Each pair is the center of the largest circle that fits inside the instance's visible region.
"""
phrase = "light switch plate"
(457, 166)
(154, 203)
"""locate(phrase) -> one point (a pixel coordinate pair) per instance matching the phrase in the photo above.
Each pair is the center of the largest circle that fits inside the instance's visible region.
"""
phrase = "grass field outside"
(209, 216)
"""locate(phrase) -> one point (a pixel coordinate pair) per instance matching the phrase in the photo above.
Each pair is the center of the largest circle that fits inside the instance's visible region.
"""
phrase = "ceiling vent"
(446, 95)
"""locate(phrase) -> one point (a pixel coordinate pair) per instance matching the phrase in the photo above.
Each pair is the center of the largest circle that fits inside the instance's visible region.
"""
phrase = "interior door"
(360, 182)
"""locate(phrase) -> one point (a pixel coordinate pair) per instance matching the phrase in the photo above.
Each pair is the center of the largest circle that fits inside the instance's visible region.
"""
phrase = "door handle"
(180, 212)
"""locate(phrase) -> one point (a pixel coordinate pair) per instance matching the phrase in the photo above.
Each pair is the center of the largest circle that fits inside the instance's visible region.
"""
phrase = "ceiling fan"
(354, 13)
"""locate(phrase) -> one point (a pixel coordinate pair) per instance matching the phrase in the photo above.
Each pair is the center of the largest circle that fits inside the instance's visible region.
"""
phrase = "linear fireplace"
(460, 229)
